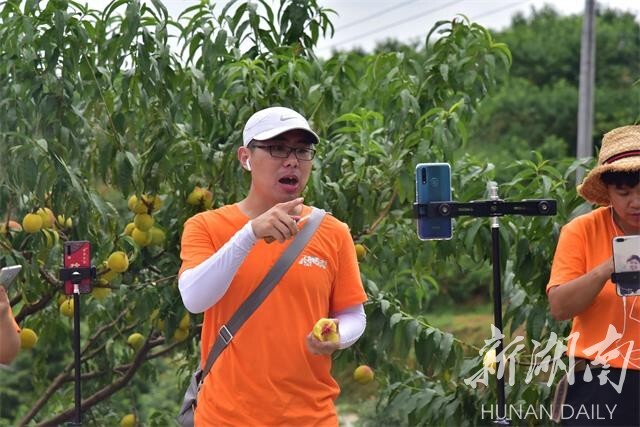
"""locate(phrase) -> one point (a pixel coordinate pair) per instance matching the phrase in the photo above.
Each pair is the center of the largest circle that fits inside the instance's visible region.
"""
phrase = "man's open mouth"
(288, 180)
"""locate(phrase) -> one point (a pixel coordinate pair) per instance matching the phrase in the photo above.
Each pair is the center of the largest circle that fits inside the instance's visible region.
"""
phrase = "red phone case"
(77, 254)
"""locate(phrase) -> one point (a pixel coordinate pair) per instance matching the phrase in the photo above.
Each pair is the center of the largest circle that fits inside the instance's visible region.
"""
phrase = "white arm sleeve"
(352, 322)
(203, 286)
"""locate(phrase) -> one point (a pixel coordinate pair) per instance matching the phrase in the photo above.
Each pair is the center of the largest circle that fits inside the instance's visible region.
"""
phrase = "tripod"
(493, 208)
(76, 275)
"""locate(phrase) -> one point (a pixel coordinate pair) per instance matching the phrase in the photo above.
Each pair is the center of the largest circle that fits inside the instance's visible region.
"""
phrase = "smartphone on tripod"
(433, 184)
(77, 254)
(626, 259)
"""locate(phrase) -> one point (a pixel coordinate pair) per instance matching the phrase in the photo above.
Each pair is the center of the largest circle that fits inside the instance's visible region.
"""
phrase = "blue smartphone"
(433, 184)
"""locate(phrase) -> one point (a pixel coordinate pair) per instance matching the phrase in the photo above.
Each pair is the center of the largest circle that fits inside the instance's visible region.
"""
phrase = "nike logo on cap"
(283, 118)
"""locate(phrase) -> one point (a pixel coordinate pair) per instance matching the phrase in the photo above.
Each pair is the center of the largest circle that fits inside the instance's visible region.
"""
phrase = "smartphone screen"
(77, 254)
(8, 275)
(626, 259)
(433, 184)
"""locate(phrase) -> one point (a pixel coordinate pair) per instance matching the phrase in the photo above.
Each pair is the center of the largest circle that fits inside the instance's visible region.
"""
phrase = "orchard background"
(98, 106)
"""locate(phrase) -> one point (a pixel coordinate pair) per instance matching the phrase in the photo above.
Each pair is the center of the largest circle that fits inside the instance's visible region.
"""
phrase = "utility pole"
(584, 143)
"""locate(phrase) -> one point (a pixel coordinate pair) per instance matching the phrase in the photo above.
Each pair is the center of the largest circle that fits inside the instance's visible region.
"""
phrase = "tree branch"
(26, 310)
(55, 384)
(383, 214)
(65, 376)
(106, 391)
(29, 309)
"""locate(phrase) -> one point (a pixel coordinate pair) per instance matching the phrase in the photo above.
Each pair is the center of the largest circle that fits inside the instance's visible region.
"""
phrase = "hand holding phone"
(8, 275)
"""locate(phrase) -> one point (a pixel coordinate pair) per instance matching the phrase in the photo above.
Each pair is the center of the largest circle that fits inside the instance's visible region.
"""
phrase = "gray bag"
(226, 332)
(188, 407)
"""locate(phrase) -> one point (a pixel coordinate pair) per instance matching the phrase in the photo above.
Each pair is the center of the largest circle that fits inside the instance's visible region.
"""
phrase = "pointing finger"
(292, 203)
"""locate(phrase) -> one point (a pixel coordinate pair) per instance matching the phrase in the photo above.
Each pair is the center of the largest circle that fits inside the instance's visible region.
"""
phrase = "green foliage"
(538, 57)
(96, 108)
(537, 107)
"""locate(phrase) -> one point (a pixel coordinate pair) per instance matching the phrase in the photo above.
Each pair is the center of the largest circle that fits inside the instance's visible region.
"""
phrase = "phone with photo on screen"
(626, 258)
(8, 275)
(433, 184)
(77, 254)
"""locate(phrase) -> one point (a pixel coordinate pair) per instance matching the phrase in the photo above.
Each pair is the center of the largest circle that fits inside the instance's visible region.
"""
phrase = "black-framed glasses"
(282, 151)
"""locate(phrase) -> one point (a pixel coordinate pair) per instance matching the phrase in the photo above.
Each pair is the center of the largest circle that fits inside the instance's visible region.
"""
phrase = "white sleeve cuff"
(204, 285)
(351, 325)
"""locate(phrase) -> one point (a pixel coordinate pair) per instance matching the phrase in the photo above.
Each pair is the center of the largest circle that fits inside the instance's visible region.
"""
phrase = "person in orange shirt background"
(274, 371)
(605, 333)
(9, 331)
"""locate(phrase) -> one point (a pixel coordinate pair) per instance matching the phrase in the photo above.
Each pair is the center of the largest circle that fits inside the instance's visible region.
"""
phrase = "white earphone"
(248, 165)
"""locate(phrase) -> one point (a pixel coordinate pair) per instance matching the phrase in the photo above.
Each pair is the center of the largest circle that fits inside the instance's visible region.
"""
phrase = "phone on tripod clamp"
(77, 267)
(433, 184)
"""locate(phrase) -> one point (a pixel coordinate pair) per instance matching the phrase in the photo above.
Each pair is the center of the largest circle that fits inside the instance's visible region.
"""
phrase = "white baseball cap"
(273, 121)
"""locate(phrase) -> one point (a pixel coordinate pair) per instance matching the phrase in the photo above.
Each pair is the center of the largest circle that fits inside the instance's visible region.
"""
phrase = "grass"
(469, 322)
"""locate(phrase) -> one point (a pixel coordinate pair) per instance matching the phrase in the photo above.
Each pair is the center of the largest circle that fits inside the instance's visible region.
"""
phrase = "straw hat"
(620, 152)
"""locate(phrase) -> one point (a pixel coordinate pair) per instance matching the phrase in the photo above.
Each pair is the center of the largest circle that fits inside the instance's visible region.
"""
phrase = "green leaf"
(395, 318)
(446, 343)
(124, 167)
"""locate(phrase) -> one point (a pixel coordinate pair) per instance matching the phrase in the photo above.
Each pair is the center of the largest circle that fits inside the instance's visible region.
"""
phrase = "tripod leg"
(76, 350)
(497, 318)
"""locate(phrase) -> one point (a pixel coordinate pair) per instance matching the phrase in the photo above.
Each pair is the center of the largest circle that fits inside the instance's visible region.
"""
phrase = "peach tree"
(119, 124)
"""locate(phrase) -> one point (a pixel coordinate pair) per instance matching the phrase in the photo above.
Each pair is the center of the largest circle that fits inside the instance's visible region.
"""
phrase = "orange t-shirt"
(266, 375)
(584, 243)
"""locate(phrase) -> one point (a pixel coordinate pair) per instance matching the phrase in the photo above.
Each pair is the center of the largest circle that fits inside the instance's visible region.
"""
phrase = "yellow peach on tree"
(66, 308)
(48, 218)
(195, 196)
(180, 334)
(135, 340)
(28, 338)
(118, 262)
(143, 221)
(128, 420)
(363, 374)
(9, 226)
(31, 223)
(142, 238)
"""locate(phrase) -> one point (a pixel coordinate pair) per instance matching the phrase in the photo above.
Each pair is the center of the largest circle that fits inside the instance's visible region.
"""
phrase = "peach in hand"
(326, 330)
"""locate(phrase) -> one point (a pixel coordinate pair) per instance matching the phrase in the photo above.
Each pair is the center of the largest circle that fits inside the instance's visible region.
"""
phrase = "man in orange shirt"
(273, 372)
(606, 327)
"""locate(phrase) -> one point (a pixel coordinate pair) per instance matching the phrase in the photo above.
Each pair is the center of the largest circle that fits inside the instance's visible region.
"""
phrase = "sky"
(363, 23)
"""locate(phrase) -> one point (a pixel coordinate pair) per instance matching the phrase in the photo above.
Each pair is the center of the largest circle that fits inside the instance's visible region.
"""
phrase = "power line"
(500, 9)
(375, 15)
(482, 15)
(377, 30)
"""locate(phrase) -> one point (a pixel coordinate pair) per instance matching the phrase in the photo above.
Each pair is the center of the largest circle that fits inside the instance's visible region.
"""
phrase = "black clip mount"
(485, 208)
(626, 278)
(628, 282)
(77, 274)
